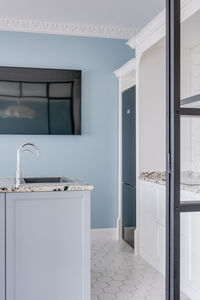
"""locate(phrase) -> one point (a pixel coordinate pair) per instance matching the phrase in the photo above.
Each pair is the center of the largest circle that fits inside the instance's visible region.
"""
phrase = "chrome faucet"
(22, 148)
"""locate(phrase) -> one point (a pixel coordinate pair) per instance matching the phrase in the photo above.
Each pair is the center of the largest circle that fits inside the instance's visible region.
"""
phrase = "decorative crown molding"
(67, 29)
(157, 25)
(147, 31)
(130, 66)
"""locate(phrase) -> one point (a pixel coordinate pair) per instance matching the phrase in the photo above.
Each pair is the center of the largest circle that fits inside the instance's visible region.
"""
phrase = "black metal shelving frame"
(174, 205)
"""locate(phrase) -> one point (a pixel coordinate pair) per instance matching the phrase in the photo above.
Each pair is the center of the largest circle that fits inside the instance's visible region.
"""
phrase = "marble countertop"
(7, 185)
(155, 177)
(160, 178)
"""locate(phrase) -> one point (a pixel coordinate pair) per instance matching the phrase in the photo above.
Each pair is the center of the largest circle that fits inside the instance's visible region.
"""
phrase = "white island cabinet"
(47, 241)
(2, 246)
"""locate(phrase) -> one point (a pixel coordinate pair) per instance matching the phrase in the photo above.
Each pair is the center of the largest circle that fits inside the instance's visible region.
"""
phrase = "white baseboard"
(119, 228)
(104, 234)
(136, 238)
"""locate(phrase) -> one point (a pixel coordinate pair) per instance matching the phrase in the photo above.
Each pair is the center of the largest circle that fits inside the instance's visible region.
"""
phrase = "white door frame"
(127, 78)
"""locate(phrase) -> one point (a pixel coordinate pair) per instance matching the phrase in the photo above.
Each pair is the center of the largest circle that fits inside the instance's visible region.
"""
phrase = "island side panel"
(2, 246)
(48, 245)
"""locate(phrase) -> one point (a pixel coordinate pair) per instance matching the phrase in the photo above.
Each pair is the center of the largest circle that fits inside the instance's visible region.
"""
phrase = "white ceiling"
(121, 14)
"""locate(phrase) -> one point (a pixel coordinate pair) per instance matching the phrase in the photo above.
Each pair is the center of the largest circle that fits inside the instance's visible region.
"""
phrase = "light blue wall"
(92, 156)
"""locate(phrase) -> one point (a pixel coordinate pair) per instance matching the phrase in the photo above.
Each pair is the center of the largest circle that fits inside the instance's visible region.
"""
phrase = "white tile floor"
(118, 274)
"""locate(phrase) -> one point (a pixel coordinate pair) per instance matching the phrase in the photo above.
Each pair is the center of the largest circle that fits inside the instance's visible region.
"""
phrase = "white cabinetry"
(148, 233)
(48, 246)
(152, 220)
(152, 235)
(190, 249)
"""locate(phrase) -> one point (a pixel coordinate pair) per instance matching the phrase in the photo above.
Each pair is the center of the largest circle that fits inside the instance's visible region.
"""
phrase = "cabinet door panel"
(162, 245)
(152, 224)
(148, 226)
(2, 246)
(48, 246)
(161, 207)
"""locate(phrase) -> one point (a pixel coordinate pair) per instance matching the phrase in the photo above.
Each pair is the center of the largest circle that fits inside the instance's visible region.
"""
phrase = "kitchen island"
(44, 240)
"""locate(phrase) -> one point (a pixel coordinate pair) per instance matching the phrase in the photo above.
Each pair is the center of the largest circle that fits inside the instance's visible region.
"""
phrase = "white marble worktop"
(7, 185)
(160, 178)
(155, 177)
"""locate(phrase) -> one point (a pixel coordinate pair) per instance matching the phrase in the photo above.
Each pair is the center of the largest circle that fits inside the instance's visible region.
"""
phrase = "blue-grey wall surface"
(91, 157)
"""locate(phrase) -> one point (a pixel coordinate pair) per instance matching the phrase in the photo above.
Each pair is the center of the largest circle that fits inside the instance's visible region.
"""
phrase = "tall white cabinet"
(47, 241)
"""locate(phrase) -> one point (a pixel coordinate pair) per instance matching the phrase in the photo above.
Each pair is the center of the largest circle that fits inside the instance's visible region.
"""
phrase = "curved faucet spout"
(22, 148)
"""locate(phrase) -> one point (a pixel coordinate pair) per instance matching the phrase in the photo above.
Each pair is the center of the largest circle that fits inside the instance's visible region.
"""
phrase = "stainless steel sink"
(46, 180)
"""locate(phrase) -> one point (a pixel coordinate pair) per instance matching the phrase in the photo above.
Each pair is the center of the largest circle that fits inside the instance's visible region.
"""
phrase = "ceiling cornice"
(147, 31)
(188, 7)
(130, 66)
(67, 29)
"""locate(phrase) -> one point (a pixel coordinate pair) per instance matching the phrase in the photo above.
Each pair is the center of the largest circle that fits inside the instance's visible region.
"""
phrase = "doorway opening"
(129, 165)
